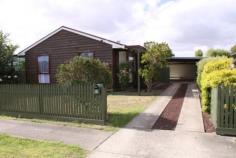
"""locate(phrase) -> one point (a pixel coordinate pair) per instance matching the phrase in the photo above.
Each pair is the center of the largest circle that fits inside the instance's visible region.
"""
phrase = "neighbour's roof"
(184, 59)
(112, 43)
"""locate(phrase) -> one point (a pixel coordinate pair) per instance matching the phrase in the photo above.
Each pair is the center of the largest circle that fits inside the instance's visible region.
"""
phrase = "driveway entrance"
(138, 140)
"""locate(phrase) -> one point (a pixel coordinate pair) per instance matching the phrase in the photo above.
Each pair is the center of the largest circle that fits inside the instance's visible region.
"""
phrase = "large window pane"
(122, 57)
(43, 62)
(44, 78)
(43, 69)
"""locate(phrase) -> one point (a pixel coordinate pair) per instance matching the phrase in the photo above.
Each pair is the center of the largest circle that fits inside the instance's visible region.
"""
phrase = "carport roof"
(184, 59)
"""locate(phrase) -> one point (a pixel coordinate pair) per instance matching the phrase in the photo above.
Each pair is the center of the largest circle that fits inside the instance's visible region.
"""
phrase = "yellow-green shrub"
(200, 67)
(215, 72)
(217, 64)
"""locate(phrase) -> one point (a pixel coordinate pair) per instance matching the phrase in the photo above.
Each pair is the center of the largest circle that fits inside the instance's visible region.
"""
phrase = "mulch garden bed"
(170, 115)
(208, 125)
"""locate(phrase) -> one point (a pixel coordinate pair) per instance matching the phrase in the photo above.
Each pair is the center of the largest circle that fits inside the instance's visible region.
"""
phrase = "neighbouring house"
(44, 56)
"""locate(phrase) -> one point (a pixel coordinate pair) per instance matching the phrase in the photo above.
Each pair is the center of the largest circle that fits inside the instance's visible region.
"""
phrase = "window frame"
(87, 52)
(38, 69)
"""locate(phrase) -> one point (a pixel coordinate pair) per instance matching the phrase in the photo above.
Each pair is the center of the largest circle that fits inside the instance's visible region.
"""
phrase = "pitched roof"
(112, 43)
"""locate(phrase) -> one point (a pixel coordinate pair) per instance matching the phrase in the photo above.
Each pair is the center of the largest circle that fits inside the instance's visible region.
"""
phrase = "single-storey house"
(43, 57)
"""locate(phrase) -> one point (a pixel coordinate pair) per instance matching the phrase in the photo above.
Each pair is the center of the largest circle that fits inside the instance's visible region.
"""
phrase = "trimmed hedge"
(224, 77)
(201, 64)
(214, 72)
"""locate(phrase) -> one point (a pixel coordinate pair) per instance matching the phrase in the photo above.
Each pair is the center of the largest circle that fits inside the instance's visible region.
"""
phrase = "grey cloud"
(101, 16)
(209, 25)
(181, 23)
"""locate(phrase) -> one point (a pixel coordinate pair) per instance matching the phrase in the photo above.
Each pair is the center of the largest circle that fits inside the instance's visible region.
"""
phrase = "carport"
(183, 68)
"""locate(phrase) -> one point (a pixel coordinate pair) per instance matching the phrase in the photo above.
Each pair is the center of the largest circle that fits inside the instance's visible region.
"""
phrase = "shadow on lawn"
(120, 119)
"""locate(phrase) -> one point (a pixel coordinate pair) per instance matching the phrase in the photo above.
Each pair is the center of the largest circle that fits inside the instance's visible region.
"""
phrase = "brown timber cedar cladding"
(60, 48)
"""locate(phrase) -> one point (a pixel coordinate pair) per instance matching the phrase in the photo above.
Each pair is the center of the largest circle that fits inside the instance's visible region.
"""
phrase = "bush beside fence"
(75, 102)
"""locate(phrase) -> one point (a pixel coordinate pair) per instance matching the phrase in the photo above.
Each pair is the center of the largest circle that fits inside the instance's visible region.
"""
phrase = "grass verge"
(12, 147)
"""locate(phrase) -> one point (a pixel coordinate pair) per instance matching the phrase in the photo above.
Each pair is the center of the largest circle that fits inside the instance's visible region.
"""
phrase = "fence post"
(40, 99)
(105, 102)
(1, 96)
(218, 108)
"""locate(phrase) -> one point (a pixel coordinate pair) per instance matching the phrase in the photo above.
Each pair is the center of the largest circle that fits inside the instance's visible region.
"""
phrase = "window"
(87, 54)
(122, 57)
(43, 69)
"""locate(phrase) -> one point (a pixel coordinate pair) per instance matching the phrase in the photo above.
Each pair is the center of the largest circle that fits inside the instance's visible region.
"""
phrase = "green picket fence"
(223, 110)
(84, 102)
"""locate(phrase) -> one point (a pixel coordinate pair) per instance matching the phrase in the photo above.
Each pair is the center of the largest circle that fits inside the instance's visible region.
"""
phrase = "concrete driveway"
(138, 140)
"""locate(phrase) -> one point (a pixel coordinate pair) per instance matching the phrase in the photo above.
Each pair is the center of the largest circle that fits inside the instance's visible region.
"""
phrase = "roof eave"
(112, 43)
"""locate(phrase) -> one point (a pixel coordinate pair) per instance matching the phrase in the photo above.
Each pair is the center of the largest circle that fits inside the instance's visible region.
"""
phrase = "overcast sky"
(185, 24)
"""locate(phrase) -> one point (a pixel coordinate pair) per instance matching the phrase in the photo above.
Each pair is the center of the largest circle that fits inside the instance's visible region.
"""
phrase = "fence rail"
(77, 102)
(223, 109)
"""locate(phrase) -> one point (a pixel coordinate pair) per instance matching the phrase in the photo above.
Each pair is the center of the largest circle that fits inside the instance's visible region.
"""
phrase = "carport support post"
(138, 72)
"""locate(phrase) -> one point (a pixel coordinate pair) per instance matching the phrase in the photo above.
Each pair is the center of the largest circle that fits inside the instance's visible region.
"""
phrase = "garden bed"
(208, 125)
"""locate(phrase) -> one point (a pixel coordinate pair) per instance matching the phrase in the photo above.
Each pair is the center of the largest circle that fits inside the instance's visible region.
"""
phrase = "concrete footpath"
(131, 143)
(188, 140)
(86, 138)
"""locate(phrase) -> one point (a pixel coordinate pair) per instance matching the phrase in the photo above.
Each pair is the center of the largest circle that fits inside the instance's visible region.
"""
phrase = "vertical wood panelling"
(62, 47)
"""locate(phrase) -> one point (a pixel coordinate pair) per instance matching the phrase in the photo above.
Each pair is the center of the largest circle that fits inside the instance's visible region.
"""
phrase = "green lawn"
(122, 107)
(12, 147)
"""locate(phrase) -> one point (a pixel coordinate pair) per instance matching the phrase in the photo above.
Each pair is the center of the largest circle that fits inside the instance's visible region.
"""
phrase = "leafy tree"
(198, 53)
(154, 58)
(7, 71)
(233, 49)
(19, 68)
(81, 69)
(217, 52)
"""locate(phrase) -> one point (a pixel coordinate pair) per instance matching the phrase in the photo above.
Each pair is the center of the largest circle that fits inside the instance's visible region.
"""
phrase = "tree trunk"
(149, 86)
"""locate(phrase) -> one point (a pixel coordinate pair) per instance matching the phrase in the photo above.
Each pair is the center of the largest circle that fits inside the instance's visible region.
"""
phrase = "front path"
(188, 140)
